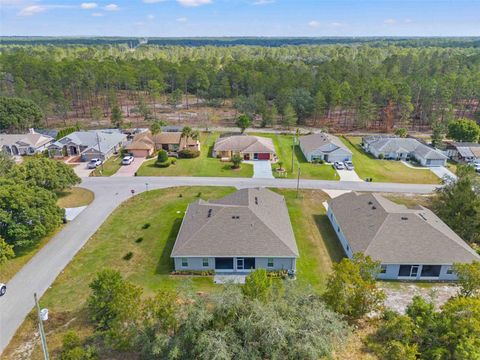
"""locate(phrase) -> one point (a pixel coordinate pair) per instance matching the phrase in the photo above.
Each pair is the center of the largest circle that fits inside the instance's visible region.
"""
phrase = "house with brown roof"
(145, 143)
(325, 147)
(410, 243)
(247, 146)
(246, 230)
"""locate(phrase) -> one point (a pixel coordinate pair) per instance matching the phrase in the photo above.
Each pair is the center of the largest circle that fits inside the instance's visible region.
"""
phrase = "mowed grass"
(74, 197)
(204, 165)
(283, 147)
(367, 166)
(109, 167)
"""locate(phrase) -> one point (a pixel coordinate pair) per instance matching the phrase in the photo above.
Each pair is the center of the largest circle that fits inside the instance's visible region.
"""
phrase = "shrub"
(139, 240)
(199, 194)
(162, 156)
(236, 160)
(163, 164)
(188, 153)
(128, 256)
(146, 226)
(194, 272)
(173, 161)
(322, 161)
(381, 156)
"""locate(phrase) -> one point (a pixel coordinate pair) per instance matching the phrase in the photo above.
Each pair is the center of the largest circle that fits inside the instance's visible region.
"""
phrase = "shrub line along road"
(40, 272)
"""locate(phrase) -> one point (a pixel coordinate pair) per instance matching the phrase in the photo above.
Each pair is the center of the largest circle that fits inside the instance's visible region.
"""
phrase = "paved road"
(40, 272)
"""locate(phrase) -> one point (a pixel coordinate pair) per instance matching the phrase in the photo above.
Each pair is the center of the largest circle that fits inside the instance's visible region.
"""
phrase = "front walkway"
(262, 169)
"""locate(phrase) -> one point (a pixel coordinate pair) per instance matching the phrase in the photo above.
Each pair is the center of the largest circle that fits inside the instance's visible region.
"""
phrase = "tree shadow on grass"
(329, 237)
(165, 263)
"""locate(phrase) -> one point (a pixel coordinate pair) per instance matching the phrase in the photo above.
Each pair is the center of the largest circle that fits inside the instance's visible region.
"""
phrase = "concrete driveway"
(348, 175)
(443, 173)
(262, 169)
(82, 170)
(130, 170)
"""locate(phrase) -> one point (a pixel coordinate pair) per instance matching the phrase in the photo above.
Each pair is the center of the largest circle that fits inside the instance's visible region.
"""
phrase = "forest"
(364, 85)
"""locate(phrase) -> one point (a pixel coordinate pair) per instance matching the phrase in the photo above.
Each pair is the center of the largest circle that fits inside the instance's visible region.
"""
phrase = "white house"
(24, 144)
(410, 244)
(325, 147)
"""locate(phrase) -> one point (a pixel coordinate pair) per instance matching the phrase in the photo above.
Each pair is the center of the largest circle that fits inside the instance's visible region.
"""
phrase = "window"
(431, 270)
(450, 271)
(270, 262)
(383, 269)
(184, 262)
(408, 270)
(205, 262)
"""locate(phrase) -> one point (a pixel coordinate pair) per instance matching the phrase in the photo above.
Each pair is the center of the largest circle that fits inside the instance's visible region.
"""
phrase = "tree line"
(339, 86)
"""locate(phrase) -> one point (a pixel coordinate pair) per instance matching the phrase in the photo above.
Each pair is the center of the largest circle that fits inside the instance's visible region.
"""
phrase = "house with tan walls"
(145, 144)
(247, 146)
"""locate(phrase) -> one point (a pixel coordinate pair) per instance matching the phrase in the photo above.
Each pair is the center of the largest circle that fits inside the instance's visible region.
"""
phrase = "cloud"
(150, 16)
(111, 7)
(182, 19)
(337, 24)
(263, 2)
(96, 14)
(31, 10)
(314, 24)
(152, 1)
(88, 6)
(408, 21)
(390, 21)
(194, 3)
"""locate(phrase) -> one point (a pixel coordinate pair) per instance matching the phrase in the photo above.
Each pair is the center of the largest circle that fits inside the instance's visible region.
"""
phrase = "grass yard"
(109, 168)
(204, 165)
(386, 170)
(74, 197)
(283, 146)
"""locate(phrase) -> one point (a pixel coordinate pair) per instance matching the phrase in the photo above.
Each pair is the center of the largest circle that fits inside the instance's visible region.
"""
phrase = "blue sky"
(240, 17)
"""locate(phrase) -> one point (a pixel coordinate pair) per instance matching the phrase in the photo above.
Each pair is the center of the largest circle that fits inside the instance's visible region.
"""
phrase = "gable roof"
(392, 144)
(324, 142)
(34, 139)
(146, 140)
(244, 143)
(249, 222)
(106, 139)
(395, 234)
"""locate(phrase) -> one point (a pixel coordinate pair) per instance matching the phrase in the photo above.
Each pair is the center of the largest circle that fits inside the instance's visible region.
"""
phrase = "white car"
(127, 160)
(3, 289)
(94, 163)
(339, 165)
(349, 165)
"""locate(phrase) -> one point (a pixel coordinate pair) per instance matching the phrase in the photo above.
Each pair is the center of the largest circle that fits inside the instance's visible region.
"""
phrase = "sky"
(195, 18)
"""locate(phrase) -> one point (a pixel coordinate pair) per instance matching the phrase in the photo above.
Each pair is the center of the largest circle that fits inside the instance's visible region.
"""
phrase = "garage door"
(263, 156)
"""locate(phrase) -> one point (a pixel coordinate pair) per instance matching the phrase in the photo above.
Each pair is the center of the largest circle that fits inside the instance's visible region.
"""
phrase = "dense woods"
(366, 85)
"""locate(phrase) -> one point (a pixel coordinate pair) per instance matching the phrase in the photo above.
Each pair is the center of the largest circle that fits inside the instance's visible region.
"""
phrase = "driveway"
(348, 175)
(82, 170)
(443, 173)
(262, 169)
(40, 272)
(130, 170)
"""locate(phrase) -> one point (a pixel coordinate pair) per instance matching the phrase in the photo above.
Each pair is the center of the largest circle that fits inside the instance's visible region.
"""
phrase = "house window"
(184, 262)
(205, 262)
(270, 263)
(408, 270)
(383, 269)
(450, 271)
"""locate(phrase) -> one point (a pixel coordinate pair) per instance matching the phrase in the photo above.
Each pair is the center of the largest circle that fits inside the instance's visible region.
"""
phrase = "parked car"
(349, 165)
(94, 163)
(339, 165)
(127, 160)
(3, 289)
(477, 168)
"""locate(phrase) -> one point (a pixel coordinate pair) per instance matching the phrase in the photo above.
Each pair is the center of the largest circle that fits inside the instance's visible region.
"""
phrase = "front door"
(240, 264)
(246, 157)
(255, 156)
(414, 271)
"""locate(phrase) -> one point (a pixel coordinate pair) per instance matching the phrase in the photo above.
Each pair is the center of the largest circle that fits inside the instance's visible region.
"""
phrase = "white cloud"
(150, 16)
(152, 1)
(390, 21)
(194, 3)
(314, 24)
(31, 10)
(111, 7)
(263, 2)
(88, 6)
(96, 14)
(139, 23)
(182, 19)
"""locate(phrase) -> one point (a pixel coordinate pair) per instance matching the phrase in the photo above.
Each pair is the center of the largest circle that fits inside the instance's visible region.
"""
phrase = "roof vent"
(235, 217)
(374, 208)
(370, 203)
(404, 218)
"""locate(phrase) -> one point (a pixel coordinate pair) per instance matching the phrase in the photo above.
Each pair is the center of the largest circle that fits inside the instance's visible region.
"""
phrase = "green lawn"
(109, 167)
(283, 147)
(386, 170)
(204, 165)
(74, 197)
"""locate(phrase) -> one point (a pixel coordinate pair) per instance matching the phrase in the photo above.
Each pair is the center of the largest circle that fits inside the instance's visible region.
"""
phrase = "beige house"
(144, 144)
(24, 144)
(248, 147)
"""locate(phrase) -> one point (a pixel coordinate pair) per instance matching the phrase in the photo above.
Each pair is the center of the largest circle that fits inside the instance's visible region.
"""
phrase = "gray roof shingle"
(385, 144)
(324, 142)
(245, 143)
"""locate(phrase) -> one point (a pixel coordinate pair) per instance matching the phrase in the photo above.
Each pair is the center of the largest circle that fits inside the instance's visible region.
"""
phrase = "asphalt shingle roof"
(324, 142)
(107, 139)
(384, 144)
(249, 222)
(245, 143)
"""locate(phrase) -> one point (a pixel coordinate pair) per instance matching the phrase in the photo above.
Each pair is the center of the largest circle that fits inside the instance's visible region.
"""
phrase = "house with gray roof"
(246, 230)
(248, 147)
(325, 147)
(464, 152)
(410, 243)
(88, 145)
(24, 144)
(396, 148)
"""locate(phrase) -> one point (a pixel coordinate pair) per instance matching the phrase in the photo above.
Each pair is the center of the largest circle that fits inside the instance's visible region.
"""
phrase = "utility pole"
(293, 151)
(43, 338)
(99, 149)
(298, 179)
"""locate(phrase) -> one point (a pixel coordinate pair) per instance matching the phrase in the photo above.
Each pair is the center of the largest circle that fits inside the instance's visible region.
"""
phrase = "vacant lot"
(204, 165)
(367, 166)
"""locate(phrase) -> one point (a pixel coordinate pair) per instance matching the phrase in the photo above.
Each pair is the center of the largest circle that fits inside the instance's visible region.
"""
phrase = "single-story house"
(24, 144)
(325, 147)
(396, 148)
(144, 144)
(248, 147)
(464, 152)
(410, 244)
(246, 230)
(88, 145)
